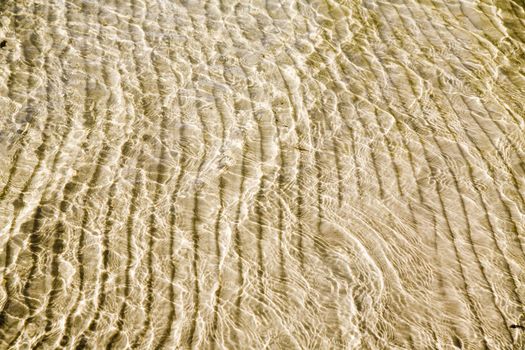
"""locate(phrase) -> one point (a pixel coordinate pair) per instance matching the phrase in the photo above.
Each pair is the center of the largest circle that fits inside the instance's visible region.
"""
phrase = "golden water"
(334, 174)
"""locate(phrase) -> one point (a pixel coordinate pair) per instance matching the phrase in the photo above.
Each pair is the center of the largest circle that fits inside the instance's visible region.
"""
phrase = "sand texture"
(279, 174)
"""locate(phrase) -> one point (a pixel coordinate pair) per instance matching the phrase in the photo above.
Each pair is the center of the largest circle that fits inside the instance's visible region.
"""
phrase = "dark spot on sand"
(457, 342)
(58, 246)
(3, 44)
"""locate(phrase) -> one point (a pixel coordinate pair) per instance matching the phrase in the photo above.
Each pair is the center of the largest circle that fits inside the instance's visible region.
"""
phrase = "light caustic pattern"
(262, 174)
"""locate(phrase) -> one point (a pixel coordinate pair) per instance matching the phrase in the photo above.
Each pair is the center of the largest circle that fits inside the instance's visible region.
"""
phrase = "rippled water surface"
(334, 174)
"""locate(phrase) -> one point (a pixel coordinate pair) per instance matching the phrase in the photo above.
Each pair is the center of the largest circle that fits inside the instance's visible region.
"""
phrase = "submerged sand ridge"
(262, 175)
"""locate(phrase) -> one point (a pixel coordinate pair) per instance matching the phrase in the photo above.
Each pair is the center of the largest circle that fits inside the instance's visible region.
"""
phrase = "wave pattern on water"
(256, 174)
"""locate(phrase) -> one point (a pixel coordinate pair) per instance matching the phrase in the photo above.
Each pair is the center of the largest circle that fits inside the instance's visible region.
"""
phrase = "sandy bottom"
(225, 174)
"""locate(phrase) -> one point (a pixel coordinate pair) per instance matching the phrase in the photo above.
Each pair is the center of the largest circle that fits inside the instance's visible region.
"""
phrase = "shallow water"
(262, 175)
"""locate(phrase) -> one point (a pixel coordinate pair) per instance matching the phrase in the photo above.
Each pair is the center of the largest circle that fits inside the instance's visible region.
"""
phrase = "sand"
(262, 174)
